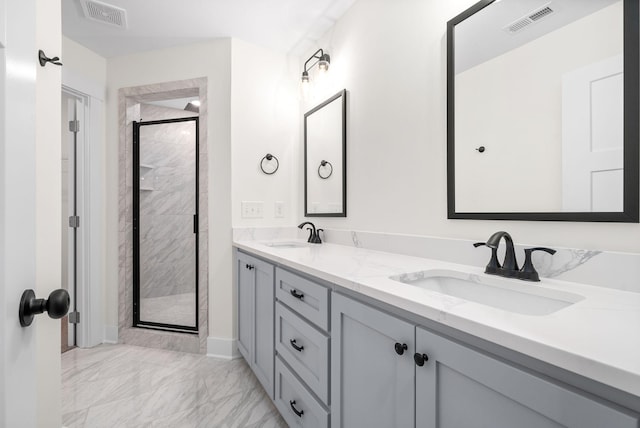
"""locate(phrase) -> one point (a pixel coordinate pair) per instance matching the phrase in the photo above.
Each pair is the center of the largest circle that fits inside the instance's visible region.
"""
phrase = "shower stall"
(165, 224)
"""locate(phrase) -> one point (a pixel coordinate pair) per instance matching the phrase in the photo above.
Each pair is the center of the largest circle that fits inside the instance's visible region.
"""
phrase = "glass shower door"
(165, 219)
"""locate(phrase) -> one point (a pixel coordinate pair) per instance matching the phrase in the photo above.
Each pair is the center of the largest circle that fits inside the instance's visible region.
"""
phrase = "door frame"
(89, 193)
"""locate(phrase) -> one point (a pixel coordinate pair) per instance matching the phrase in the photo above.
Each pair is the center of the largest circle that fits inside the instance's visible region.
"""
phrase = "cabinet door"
(371, 384)
(458, 387)
(245, 278)
(264, 321)
(256, 316)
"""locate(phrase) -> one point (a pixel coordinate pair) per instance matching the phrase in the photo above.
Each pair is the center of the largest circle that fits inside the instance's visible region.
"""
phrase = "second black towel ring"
(268, 157)
(324, 163)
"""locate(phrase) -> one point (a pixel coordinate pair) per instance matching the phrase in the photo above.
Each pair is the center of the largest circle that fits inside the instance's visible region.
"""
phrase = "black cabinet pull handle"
(248, 266)
(296, 411)
(420, 359)
(295, 294)
(295, 346)
(400, 348)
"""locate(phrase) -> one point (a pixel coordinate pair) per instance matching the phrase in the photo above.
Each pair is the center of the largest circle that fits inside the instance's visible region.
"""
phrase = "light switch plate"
(252, 209)
(278, 209)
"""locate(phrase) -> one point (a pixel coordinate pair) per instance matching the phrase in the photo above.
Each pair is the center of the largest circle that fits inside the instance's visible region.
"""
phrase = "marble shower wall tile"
(609, 269)
(171, 213)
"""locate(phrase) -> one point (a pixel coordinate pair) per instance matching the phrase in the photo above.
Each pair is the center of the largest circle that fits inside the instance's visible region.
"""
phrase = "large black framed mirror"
(325, 158)
(543, 111)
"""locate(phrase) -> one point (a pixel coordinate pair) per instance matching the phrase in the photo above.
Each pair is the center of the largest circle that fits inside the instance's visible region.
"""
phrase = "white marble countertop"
(597, 337)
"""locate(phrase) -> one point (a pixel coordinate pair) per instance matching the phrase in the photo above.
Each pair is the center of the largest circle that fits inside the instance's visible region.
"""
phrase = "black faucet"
(314, 235)
(509, 267)
(510, 264)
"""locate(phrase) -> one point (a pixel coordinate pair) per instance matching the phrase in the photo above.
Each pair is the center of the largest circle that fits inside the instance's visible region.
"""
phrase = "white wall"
(83, 67)
(264, 119)
(391, 57)
(213, 60)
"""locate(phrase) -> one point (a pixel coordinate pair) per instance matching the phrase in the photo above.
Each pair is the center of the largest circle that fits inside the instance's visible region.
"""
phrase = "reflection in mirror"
(325, 140)
(543, 106)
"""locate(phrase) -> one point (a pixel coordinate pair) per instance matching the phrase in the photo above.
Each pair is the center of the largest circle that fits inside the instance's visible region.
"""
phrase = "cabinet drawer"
(309, 299)
(305, 349)
(296, 405)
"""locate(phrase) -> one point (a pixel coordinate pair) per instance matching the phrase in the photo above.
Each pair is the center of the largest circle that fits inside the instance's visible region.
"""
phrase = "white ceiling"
(288, 26)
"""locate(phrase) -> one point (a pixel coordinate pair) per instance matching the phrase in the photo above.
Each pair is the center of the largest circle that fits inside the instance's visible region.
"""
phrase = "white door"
(29, 210)
(592, 137)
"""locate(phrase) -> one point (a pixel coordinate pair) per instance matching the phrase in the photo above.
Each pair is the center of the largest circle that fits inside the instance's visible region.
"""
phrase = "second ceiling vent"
(105, 13)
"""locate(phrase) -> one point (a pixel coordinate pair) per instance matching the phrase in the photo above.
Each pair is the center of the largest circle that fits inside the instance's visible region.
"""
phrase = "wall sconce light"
(322, 59)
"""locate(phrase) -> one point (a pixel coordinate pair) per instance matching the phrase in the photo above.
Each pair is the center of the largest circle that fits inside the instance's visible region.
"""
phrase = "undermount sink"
(291, 244)
(507, 294)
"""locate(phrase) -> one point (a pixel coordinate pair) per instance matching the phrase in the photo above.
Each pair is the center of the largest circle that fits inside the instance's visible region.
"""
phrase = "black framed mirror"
(542, 111)
(325, 158)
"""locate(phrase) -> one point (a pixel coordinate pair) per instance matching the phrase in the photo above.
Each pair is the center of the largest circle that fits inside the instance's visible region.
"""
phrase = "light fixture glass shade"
(323, 64)
(305, 77)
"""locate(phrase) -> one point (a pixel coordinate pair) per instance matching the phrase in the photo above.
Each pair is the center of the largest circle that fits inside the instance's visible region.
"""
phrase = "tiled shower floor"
(129, 386)
(178, 309)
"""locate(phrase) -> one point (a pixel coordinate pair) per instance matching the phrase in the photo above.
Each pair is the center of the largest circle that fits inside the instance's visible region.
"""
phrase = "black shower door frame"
(136, 230)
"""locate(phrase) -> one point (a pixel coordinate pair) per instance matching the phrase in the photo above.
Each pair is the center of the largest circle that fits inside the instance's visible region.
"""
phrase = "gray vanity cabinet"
(372, 385)
(255, 279)
(345, 364)
(458, 387)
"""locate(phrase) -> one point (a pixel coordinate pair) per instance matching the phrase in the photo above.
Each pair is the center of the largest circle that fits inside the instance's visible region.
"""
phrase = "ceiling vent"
(530, 18)
(105, 13)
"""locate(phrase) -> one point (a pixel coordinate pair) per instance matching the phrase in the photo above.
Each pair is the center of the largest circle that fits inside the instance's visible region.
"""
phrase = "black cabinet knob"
(57, 305)
(400, 348)
(299, 413)
(248, 266)
(420, 359)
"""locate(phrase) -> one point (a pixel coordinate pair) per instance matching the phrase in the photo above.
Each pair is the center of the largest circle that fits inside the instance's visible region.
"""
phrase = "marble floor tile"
(129, 386)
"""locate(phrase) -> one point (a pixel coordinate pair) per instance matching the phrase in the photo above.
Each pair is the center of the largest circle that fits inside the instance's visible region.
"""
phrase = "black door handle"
(57, 305)
(295, 294)
(248, 266)
(400, 348)
(420, 359)
(296, 411)
(295, 346)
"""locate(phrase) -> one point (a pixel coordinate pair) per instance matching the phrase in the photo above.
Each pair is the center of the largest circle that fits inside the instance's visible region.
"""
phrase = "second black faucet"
(314, 234)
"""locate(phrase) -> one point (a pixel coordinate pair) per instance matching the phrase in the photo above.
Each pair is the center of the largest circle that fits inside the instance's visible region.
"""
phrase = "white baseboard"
(218, 347)
(110, 334)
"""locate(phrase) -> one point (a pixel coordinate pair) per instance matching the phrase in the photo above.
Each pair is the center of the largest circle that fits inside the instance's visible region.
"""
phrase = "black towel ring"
(324, 163)
(268, 157)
